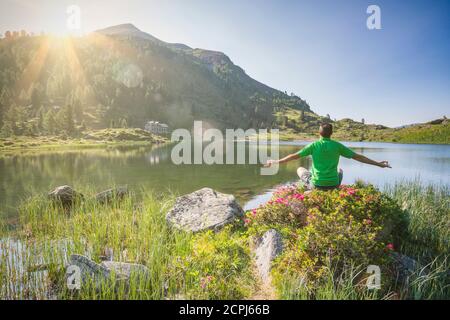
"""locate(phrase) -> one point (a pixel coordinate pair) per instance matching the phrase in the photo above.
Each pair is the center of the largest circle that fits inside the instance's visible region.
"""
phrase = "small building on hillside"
(156, 127)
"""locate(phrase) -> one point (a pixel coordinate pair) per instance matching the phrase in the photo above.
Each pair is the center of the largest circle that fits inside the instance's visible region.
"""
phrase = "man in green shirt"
(325, 154)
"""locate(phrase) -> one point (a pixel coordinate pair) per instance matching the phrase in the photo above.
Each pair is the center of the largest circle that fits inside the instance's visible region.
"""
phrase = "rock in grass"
(203, 209)
(112, 194)
(405, 265)
(101, 273)
(268, 247)
(89, 270)
(66, 195)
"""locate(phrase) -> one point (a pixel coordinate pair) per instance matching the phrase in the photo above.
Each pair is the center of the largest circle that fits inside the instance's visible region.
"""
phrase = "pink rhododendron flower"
(298, 196)
(281, 201)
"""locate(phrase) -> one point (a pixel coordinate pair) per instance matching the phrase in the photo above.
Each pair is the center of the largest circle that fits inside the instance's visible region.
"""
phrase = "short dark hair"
(326, 130)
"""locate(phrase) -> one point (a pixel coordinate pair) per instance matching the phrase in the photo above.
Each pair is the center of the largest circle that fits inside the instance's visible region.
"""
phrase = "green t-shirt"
(325, 154)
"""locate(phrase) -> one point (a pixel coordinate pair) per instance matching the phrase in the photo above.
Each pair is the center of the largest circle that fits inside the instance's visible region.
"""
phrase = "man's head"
(326, 130)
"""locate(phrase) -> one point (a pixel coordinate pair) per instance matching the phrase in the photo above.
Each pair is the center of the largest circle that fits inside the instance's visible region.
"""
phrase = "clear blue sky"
(320, 50)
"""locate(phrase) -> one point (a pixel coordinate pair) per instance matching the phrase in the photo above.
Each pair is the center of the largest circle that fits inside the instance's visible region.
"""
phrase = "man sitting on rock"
(325, 154)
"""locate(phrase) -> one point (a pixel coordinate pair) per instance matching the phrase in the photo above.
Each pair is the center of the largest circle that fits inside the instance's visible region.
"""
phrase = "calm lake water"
(23, 174)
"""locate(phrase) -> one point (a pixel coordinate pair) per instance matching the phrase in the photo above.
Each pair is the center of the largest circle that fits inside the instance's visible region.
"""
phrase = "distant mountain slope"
(298, 125)
(121, 76)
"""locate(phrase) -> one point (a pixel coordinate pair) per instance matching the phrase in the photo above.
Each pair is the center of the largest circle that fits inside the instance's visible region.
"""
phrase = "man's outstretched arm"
(363, 159)
(283, 160)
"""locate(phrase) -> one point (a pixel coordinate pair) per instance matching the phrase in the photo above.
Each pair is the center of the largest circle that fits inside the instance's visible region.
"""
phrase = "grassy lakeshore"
(206, 265)
(89, 139)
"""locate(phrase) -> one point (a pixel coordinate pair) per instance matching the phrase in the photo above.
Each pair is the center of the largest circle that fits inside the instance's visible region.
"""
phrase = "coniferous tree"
(49, 123)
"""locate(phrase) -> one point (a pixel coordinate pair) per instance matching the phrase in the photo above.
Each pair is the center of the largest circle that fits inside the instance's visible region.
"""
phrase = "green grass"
(136, 231)
(207, 265)
(428, 208)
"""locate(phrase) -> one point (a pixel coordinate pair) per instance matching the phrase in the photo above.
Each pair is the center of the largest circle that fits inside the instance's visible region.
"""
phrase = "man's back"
(325, 154)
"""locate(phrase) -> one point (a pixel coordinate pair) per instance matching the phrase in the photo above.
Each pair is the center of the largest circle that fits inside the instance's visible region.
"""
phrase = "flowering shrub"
(352, 225)
(285, 212)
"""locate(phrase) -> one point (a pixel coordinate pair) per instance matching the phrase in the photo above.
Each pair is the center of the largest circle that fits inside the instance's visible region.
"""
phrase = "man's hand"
(269, 163)
(363, 159)
(384, 164)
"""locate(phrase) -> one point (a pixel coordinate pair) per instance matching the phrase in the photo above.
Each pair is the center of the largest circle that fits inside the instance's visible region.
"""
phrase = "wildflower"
(254, 212)
(299, 196)
(247, 221)
(390, 246)
(282, 201)
(205, 281)
(367, 221)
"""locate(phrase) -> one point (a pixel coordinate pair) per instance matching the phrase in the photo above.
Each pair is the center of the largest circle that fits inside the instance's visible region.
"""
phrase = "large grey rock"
(267, 248)
(203, 209)
(112, 194)
(64, 194)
